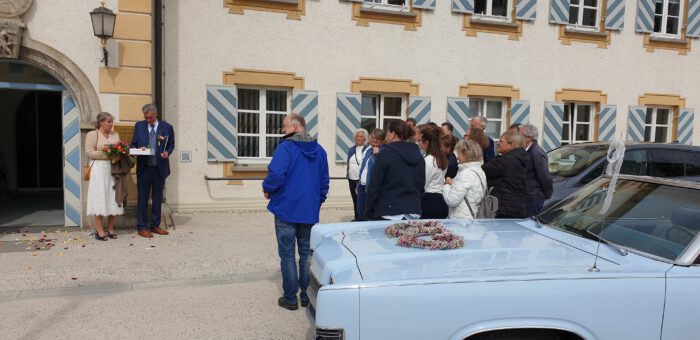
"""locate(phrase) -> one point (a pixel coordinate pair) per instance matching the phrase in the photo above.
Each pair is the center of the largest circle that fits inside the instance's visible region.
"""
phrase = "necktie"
(152, 160)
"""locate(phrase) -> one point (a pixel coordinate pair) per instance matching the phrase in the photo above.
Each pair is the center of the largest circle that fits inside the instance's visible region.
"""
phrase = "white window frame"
(482, 112)
(489, 12)
(578, 25)
(262, 124)
(379, 111)
(653, 125)
(385, 6)
(664, 20)
(573, 122)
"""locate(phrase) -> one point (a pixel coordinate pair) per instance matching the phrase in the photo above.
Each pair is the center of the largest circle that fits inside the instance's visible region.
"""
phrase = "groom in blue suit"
(151, 171)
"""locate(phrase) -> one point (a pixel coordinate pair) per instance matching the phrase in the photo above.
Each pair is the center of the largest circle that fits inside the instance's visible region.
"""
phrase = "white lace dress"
(101, 194)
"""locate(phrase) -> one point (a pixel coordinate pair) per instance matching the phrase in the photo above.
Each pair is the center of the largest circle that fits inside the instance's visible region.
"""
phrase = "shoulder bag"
(87, 168)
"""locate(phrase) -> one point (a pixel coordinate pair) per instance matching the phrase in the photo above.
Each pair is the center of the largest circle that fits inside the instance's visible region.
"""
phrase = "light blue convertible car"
(572, 273)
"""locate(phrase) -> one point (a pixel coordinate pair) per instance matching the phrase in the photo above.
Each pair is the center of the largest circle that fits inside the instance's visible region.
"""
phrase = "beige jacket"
(95, 141)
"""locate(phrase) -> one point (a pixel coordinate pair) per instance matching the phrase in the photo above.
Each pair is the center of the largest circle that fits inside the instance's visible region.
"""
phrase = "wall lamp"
(103, 20)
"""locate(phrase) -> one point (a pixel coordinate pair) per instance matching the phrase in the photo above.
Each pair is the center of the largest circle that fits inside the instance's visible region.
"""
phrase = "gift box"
(142, 152)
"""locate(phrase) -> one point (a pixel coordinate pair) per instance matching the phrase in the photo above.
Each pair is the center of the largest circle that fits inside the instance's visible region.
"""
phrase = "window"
(667, 163)
(667, 17)
(388, 4)
(577, 124)
(261, 112)
(657, 126)
(635, 163)
(692, 163)
(584, 13)
(379, 109)
(494, 111)
(495, 8)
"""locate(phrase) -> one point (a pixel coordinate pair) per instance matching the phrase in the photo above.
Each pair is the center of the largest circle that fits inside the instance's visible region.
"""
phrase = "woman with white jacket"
(469, 183)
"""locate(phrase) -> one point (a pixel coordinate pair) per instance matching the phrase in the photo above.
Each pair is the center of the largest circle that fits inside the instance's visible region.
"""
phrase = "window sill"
(293, 2)
(405, 12)
(495, 21)
(668, 39)
(580, 30)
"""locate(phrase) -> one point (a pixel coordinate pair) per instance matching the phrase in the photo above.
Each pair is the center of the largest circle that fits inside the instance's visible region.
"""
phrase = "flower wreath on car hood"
(410, 233)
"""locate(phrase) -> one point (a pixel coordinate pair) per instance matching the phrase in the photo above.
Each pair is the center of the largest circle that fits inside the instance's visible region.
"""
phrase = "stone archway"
(67, 72)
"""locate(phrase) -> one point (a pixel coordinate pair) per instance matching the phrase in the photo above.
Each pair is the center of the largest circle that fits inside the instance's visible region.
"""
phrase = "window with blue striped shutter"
(424, 4)
(559, 12)
(349, 108)
(606, 122)
(305, 103)
(692, 28)
(552, 127)
(526, 10)
(615, 15)
(635, 123)
(419, 109)
(520, 112)
(459, 115)
(645, 16)
(686, 120)
(222, 126)
(463, 6)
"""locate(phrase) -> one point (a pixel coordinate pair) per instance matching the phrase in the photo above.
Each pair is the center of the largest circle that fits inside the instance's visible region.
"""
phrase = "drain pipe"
(158, 74)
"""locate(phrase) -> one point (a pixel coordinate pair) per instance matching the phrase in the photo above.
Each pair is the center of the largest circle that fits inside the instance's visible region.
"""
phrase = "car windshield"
(656, 219)
(570, 160)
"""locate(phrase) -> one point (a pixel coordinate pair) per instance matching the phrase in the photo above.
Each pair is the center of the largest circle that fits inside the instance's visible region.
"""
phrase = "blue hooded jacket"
(297, 180)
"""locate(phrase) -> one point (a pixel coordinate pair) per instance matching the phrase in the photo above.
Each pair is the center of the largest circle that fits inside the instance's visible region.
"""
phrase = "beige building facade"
(225, 72)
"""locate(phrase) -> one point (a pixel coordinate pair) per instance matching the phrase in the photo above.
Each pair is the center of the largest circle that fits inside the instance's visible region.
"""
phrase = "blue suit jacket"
(140, 140)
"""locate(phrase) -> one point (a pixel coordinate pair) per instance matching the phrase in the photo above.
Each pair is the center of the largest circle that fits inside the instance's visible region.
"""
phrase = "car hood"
(493, 248)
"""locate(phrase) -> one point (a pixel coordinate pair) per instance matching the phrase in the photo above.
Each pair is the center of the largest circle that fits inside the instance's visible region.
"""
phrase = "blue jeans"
(287, 233)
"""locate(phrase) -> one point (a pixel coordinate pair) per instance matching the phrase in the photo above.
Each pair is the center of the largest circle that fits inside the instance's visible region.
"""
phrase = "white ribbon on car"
(616, 155)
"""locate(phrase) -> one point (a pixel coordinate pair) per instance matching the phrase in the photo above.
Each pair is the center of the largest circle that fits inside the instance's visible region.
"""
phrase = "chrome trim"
(329, 333)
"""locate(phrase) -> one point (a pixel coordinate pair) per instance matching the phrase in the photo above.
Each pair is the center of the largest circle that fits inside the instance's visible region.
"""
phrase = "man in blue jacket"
(296, 185)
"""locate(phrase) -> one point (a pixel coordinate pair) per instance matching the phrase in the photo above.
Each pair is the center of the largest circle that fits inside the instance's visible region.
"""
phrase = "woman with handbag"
(463, 193)
(101, 194)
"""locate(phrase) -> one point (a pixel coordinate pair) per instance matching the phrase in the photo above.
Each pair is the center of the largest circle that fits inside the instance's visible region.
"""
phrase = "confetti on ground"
(73, 278)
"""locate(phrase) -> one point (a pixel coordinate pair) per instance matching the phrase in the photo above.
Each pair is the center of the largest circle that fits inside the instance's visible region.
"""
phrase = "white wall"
(329, 50)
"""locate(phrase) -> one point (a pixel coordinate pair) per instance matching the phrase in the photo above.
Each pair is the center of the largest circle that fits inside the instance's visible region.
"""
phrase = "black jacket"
(540, 181)
(452, 166)
(508, 174)
(398, 181)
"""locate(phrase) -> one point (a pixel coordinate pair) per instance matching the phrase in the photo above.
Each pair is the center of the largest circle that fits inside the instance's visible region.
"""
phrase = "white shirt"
(155, 126)
(363, 175)
(434, 176)
(354, 164)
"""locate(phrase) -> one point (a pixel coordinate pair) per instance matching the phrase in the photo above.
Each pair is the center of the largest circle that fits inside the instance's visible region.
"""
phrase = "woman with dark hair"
(447, 143)
(395, 189)
(432, 204)
(480, 137)
(508, 175)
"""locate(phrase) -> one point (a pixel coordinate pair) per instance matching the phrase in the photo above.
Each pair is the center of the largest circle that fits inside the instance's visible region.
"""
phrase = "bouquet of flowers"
(116, 151)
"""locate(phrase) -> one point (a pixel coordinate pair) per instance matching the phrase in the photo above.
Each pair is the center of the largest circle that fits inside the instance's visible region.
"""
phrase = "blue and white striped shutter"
(222, 123)
(526, 10)
(463, 6)
(305, 103)
(606, 122)
(424, 4)
(459, 115)
(349, 108)
(520, 112)
(692, 28)
(635, 123)
(615, 15)
(645, 16)
(685, 125)
(72, 177)
(559, 12)
(553, 117)
(419, 109)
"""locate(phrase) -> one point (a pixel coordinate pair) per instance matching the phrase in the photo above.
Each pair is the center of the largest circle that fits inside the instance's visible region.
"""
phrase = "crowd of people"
(411, 171)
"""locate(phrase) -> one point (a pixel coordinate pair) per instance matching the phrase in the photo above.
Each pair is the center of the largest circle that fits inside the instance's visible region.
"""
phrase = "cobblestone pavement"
(216, 276)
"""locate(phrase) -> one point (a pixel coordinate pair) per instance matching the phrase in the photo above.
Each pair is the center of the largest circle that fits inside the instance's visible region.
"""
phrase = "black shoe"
(112, 236)
(100, 238)
(304, 303)
(290, 306)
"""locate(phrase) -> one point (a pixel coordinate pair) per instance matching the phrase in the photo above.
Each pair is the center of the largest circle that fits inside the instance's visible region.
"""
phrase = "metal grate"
(314, 284)
(329, 334)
